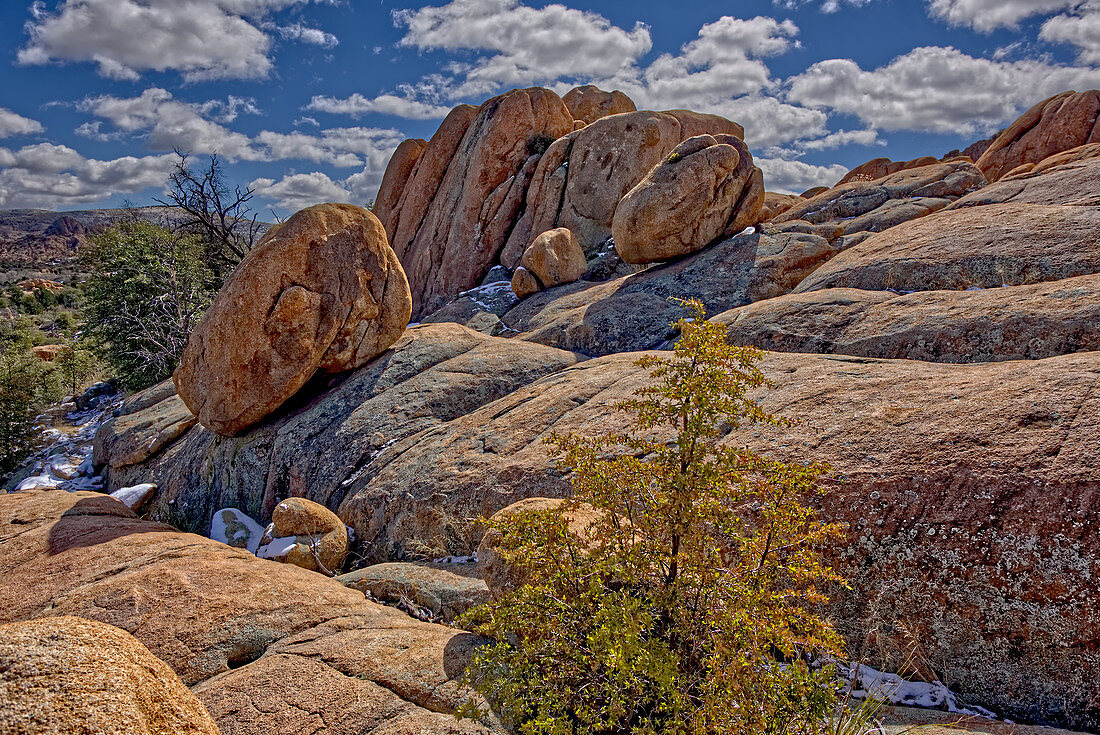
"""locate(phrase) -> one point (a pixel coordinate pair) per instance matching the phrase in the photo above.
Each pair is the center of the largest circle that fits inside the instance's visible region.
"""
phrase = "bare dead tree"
(220, 215)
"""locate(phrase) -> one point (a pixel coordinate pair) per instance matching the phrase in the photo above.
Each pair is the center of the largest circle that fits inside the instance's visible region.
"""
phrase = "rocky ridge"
(933, 334)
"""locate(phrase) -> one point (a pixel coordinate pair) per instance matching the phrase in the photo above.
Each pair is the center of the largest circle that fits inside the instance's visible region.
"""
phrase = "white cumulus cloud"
(202, 39)
(298, 191)
(14, 124)
(788, 176)
(987, 15)
(358, 105)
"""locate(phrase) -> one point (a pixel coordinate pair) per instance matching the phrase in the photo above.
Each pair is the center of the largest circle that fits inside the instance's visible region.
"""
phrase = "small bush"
(27, 385)
(539, 144)
(686, 606)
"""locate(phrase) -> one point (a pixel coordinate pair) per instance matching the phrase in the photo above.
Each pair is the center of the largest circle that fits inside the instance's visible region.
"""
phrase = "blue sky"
(305, 99)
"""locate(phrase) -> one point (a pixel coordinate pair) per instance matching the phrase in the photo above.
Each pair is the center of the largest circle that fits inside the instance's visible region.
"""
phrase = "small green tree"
(686, 605)
(27, 384)
(148, 289)
(74, 365)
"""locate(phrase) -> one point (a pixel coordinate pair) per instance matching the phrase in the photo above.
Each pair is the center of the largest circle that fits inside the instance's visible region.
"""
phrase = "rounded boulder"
(321, 535)
(70, 676)
(322, 291)
(708, 188)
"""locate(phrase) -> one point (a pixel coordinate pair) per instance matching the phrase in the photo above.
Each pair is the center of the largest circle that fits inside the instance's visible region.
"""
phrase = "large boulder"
(588, 103)
(65, 675)
(321, 292)
(399, 171)
(581, 178)
(1012, 323)
(265, 647)
(706, 189)
(776, 204)
(328, 434)
(859, 207)
(1059, 123)
(972, 494)
(634, 312)
(984, 247)
(554, 258)
(450, 234)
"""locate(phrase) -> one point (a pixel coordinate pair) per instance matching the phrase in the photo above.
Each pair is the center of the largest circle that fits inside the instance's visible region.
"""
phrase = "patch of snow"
(39, 482)
(136, 495)
(471, 559)
(231, 526)
(278, 548)
(864, 681)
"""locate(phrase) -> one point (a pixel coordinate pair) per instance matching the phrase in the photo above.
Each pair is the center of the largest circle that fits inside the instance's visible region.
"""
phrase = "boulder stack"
(321, 292)
(554, 258)
(589, 103)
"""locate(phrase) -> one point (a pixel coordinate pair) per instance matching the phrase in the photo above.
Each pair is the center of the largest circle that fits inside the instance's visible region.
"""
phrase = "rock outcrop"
(860, 207)
(399, 171)
(933, 462)
(634, 312)
(776, 204)
(65, 675)
(581, 178)
(456, 211)
(319, 444)
(984, 247)
(265, 647)
(554, 258)
(445, 591)
(589, 103)
(1071, 177)
(877, 168)
(1064, 121)
(1013, 323)
(321, 292)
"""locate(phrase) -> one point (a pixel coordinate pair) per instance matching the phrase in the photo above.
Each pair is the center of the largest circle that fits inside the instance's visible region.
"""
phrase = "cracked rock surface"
(266, 647)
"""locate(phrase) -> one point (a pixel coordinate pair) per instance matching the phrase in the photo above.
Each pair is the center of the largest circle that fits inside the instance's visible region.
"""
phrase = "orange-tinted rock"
(266, 647)
(988, 247)
(322, 537)
(776, 204)
(320, 292)
(1071, 177)
(876, 168)
(398, 172)
(463, 227)
(70, 676)
(1057, 124)
(582, 177)
(47, 353)
(589, 103)
(705, 189)
(524, 283)
(554, 258)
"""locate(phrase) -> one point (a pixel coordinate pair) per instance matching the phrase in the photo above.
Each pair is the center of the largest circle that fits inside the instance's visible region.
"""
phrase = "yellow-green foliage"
(686, 605)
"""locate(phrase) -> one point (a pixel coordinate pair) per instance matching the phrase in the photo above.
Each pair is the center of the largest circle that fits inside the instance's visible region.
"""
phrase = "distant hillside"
(44, 243)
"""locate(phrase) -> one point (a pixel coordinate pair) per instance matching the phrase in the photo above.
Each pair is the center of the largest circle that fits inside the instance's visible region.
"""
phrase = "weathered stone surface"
(444, 590)
(705, 189)
(321, 292)
(1071, 177)
(555, 257)
(1059, 123)
(524, 283)
(972, 492)
(63, 675)
(873, 206)
(399, 171)
(776, 204)
(1013, 323)
(877, 168)
(266, 647)
(988, 247)
(323, 538)
(136, 435)
(424, 180)
(634, 312)
(502, 576)
(588, 103)
(448, 244)
(582, 177)
(435, 373)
